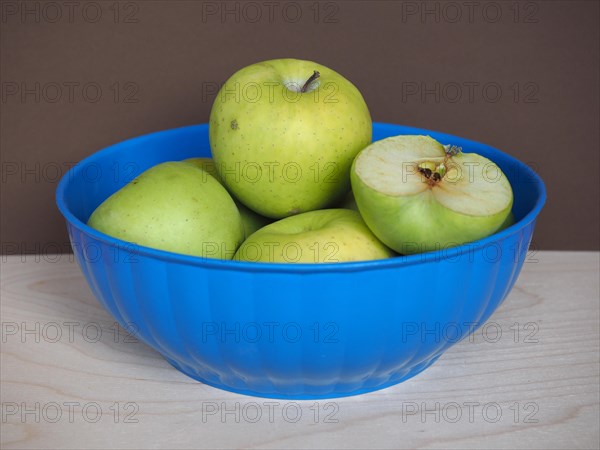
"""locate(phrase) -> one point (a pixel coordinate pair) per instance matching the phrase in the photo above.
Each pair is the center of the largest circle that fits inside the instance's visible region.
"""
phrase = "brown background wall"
(156, 64)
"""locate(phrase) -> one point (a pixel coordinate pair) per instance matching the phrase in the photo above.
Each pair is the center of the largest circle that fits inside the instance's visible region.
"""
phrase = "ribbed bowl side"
(289, 333)
(286, 335)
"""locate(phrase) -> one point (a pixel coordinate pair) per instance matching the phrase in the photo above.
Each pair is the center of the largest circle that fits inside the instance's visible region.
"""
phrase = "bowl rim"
(298, 268)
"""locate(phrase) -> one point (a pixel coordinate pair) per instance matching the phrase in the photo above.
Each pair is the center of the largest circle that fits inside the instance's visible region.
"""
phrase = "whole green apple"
(418, 195)
(348, 201)
(322, 236)
(173, 206)
(284, 133)
(251, 221)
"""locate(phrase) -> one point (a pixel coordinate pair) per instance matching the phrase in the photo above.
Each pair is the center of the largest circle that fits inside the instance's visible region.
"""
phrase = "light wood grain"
(550, 370)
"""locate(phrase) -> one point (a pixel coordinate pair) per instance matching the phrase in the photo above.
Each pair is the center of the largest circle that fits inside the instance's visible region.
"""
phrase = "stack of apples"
(294, 178)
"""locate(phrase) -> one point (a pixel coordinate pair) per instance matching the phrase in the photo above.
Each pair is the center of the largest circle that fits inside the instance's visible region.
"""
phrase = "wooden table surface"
(72, 379)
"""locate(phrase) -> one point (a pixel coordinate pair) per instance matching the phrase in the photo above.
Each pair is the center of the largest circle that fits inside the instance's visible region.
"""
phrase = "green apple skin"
(281, 151)
(206, 164)
(251, 220)
(419, 222)
(173, 206)
(510, 221)
(349, 202)
(321, 236)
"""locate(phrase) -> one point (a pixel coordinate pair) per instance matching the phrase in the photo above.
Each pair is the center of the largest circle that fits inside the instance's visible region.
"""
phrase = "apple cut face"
(418, 195)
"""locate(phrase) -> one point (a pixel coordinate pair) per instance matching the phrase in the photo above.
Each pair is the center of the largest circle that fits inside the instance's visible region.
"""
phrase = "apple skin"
(508, 222)
(321, 236)
(419, 223)
(349, 202)
(173, 206)
(251, 220)
(280, 151)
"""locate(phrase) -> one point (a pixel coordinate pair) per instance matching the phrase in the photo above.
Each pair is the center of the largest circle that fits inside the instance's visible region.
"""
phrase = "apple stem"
(312, 78)
(452, 150)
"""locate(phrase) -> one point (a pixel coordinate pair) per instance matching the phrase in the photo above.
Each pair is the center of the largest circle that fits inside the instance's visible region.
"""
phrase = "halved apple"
(418, 195)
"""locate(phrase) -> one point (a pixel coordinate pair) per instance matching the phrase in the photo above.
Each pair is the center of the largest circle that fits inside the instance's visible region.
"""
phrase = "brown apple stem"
(312, 78)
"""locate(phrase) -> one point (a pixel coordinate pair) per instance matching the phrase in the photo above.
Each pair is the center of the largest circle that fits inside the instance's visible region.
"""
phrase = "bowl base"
(307, 396)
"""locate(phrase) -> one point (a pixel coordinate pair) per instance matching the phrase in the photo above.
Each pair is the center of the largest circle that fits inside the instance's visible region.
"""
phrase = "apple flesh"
(322, 236)
(284, 133)
(173, 206)
(418, 195)
(251, 220)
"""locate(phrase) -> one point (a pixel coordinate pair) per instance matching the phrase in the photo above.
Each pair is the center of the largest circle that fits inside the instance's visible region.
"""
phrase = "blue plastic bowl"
(292, 331)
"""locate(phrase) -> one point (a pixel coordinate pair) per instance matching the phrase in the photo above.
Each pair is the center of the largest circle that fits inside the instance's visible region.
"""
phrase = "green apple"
(173, 206)
(250, 220)
(349, 202)
(418, 195)
(322, 236)
(509, 221)
(206, 164)
(284, 133)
